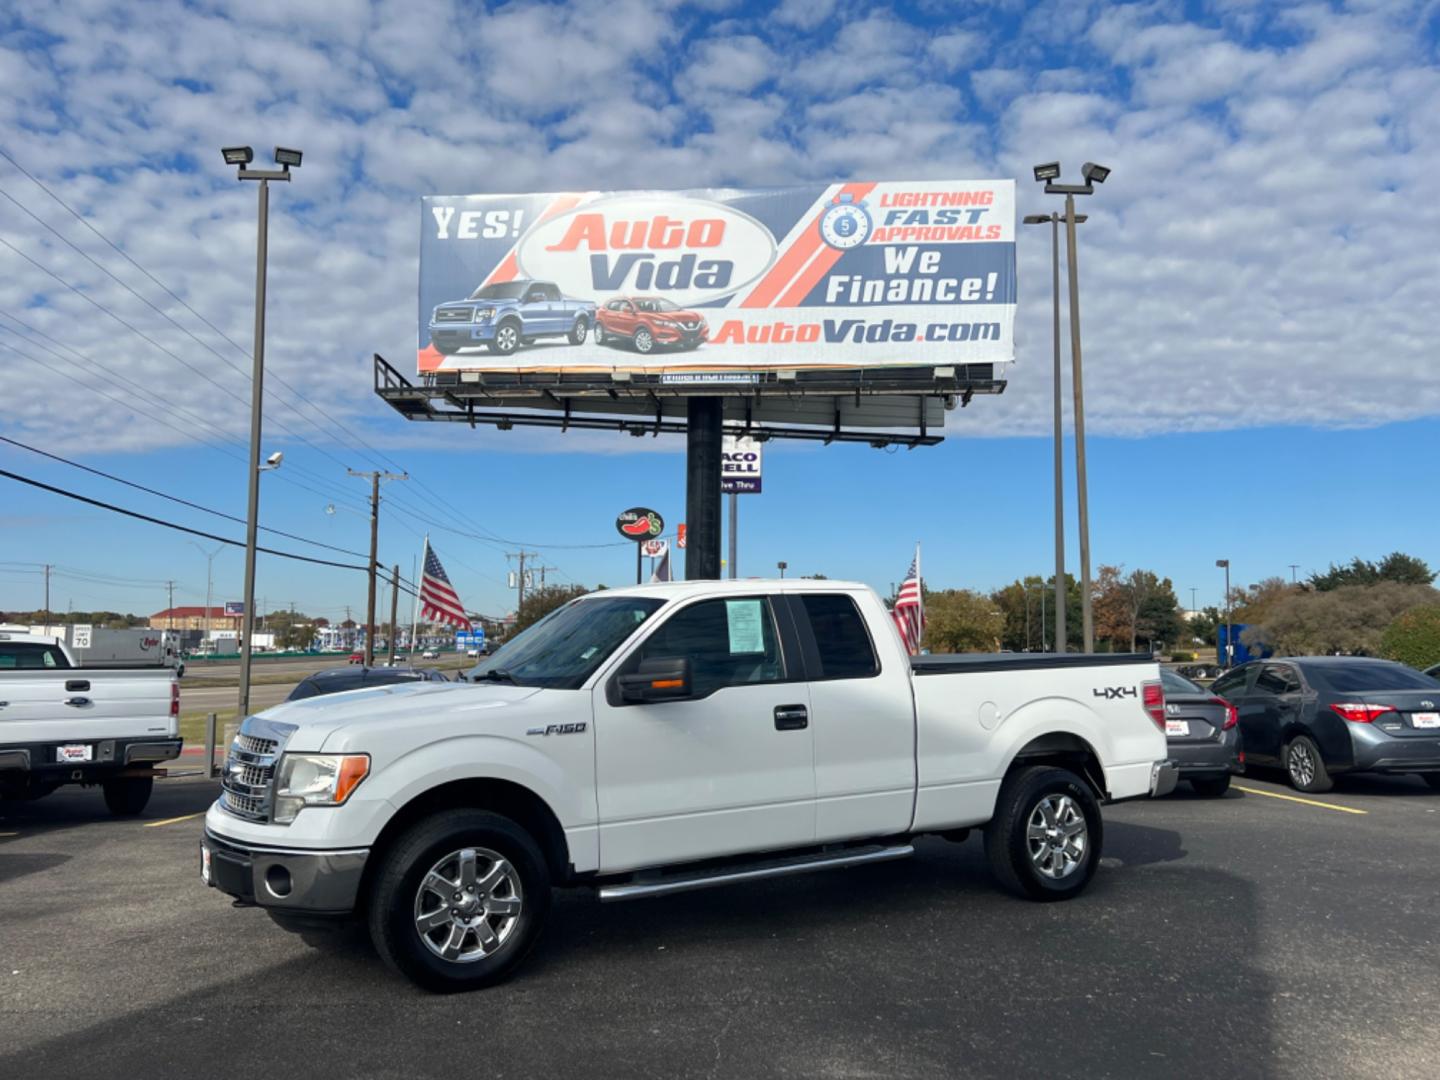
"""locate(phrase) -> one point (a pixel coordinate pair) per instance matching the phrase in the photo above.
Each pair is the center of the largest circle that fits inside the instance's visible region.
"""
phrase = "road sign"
(680, 538)
(80, 635)
(655, 548)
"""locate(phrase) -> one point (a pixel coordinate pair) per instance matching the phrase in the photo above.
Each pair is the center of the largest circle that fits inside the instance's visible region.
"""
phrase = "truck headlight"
(483, 313)
(316, 780)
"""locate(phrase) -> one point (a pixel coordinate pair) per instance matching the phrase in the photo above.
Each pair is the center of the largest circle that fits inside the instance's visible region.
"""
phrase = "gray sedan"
(1203, 735)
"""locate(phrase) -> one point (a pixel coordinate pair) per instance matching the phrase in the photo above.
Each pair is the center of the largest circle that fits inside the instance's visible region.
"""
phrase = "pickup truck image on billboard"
(505, 315)
(645, 323)
(839, 276)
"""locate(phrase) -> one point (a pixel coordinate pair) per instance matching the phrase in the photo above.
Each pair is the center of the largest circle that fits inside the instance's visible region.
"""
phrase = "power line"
(170, 524)
(174, 498)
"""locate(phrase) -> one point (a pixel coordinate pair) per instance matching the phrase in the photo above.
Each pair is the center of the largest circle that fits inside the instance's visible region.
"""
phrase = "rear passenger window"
(840, 636)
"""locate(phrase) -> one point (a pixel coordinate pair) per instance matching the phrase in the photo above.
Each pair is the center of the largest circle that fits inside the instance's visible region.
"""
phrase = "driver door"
(729, 769)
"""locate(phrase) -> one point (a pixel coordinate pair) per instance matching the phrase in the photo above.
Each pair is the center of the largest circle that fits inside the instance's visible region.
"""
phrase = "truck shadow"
(76, 807)
(911, 969)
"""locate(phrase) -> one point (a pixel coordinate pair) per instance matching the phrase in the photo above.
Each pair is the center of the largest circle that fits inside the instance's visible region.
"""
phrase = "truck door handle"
(78, 702)
(791, 717)
(77, 686)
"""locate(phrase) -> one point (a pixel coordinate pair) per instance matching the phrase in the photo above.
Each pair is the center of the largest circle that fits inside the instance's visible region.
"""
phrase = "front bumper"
(461, 334)
(1164, 775)
(283, 879)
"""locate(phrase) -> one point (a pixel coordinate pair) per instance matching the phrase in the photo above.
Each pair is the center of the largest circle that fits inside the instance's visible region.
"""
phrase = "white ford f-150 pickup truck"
(64, 724)
(650, 740)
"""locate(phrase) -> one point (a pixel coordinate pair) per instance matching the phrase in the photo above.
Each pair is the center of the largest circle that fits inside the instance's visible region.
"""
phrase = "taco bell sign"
(740, 466)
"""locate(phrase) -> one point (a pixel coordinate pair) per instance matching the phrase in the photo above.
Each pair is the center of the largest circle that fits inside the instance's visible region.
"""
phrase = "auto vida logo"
(686, 250)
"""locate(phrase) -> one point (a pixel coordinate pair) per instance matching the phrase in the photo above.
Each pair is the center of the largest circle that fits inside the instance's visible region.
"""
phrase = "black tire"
(1433, 779)
(579, 331)
(1007, 845)
(507, 338)
(599, 334)
(1210, 787)
(127, 796)
(445, 350)
(1304, 767)
(644, 340)
(397, 886)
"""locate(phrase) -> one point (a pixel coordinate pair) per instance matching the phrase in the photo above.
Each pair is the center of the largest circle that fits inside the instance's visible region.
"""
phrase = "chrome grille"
(453, 315)
(249, 776)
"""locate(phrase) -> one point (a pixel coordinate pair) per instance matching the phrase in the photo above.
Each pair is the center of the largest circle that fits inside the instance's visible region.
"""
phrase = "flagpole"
(920, 599)
(415, 618)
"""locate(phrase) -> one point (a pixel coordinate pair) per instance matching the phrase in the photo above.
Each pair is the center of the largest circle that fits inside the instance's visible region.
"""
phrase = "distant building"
(196, 618)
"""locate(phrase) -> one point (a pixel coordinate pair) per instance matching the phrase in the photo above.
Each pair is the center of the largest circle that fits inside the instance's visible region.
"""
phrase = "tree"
(1128, 608)
(540, 602)
(1350, 619)
(1252, 605)
(1397, 567)
(1203, 625)
(1110, 605)
(961, 620)
(1013, 600)
(296, 635)
(1414, 637)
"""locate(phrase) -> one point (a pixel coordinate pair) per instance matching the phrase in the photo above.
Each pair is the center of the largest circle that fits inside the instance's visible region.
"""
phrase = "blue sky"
(1258, 275)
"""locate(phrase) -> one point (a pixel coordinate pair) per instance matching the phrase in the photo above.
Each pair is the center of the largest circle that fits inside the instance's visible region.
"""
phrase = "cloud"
(1260, 254)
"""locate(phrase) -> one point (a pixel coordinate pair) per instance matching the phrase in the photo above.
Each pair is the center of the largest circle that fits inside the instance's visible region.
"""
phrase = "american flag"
(909, 610)
(438, 600)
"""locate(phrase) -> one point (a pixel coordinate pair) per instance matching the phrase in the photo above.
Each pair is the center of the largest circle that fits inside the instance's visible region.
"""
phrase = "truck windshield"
(563, 649)
(504, 290)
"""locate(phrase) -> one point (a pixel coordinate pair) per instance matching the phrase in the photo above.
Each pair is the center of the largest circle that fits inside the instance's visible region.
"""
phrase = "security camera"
(274, 459)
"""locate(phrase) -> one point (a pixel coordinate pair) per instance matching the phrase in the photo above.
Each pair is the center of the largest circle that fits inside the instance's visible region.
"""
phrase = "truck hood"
(386, 707)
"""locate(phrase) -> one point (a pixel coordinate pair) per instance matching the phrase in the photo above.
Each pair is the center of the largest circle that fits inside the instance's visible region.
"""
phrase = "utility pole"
(734, 535)
(374, 478)
(1293, 568)
(394, 612)
(46, 618)
(520, 574)
(542, 570)
(169, 611)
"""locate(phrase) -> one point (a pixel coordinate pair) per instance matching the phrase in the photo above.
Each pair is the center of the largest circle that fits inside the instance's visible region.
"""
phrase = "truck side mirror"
(659, 678)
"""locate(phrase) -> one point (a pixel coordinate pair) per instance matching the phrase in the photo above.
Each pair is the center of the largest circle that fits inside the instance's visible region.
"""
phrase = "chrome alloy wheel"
(468, 904)
(507, 339)
(644, 342)
(1302, 764)
(1057, 836)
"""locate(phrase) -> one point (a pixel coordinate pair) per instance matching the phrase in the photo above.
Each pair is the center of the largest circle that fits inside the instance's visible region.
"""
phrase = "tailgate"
(1190, 720)
(81, 704)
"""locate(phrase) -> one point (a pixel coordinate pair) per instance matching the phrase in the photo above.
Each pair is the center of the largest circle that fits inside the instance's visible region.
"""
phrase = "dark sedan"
(334, 680)
(1202, 734)
(1317, 716)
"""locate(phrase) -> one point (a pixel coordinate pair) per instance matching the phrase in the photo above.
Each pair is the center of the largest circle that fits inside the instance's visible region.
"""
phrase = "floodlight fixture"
(1093, 174)
(1222, 562)
(1047, 172)
(238, 155)
(1037, 219)
(291, 158)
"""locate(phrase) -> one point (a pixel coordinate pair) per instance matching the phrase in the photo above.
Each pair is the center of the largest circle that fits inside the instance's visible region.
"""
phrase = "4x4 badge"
(1113, 693)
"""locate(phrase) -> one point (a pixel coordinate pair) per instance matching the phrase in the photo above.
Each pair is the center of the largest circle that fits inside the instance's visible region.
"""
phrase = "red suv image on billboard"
(649, 322)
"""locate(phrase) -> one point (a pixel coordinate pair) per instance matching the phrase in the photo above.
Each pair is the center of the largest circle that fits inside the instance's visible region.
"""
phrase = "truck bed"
(951, 663)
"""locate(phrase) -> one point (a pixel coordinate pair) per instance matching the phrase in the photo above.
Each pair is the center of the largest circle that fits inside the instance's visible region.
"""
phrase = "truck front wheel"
(578, 331)
(459, 900)
(126, 796)
(1045, 838)
(507, 339)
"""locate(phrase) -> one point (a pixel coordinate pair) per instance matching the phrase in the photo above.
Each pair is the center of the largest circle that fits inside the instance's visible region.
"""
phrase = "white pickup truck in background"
(650, 740)
(63, 724)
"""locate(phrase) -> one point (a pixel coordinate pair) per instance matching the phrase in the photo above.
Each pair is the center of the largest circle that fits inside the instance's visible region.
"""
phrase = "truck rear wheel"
(459, 900)
(1045, 839)
(126, 796)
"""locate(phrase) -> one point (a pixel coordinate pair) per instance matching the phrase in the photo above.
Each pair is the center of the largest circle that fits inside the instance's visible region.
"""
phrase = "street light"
(242, 157)
(1094, 174)
(1229, 645)
(1054, 221)
(782, 566)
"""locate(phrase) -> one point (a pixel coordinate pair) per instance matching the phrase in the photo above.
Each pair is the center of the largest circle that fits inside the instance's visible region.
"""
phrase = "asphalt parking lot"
(1256, 935)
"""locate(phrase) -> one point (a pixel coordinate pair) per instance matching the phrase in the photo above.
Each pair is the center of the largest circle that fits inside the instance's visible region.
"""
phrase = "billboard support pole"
(703, 438)
(639, 566)
(734, 536)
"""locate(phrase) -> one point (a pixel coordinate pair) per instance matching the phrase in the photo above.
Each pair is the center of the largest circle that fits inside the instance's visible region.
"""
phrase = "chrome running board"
(664, 886)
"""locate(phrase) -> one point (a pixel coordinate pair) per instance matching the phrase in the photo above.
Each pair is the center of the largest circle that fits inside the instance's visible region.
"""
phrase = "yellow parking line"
(9, 834)
(173, 820)
(1296, 798)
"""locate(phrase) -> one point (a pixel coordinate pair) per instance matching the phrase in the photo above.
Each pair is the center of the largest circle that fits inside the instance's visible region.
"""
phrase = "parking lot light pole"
(1229, 645)
(242, 156)
(1054, 221)
(1093, 174)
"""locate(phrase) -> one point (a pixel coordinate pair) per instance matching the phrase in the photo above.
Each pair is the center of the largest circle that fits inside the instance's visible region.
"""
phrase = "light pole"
(1229, 645)
(1054, 220)
(1293, 567)
(782, 567)
(209, 581)
(241, 157)
(1093, 174)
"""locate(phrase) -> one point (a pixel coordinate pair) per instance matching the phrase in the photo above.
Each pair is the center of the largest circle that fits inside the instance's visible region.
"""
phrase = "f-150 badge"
(558, 729)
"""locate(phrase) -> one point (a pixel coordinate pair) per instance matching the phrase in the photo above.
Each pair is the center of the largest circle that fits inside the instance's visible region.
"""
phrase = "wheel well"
(1064, 751)
(518, 803)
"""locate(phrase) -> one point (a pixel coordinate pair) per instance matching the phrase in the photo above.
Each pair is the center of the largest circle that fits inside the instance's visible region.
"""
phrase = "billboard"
(234, 607)
(713, 284)
(740, 461)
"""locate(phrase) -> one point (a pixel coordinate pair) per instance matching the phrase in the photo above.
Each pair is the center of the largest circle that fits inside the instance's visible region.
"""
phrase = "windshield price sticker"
(746, 630)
